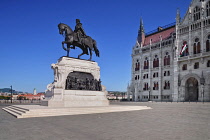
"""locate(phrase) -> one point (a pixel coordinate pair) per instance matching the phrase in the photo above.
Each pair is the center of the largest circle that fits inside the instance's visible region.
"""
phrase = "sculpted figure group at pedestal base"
(74, 83)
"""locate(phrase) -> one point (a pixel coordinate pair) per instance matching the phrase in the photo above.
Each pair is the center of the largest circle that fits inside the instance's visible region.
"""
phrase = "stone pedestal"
(58, 96)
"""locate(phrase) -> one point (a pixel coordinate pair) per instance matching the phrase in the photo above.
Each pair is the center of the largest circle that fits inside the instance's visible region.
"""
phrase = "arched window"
(208, 63)
(136, 77)
(168, 73)
(168, 62)
(167, 85)
(197, 13)
(196, 46)
(155, 74)
(184, 67)
(196, 65)
(146, 63)
(208, 9)
(156, 86)
(145, 86)
(208, 44)
(156, 62)
(137, 65)
(167, 59)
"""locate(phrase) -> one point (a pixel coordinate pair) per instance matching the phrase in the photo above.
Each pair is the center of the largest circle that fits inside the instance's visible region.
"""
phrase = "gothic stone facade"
(162, 70)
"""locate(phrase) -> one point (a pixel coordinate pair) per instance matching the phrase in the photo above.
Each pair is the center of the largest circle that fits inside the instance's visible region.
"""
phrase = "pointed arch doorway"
(191, 89)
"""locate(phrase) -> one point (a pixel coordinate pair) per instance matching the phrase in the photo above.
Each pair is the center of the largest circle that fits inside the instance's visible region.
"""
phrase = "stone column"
(136, 92)
(175, 63)
(160, 72)
(171, 73)
(190, 46)
(202, 30)
(175, 86)
(132, 70)
(150, 72)
(177, 42)
(140, 76)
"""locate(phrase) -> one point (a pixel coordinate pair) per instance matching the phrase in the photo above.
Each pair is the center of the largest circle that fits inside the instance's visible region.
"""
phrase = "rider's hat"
(77, 20)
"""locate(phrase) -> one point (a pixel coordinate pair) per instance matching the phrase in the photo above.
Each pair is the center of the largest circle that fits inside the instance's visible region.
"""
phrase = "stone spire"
(178, 16)
(141, 34)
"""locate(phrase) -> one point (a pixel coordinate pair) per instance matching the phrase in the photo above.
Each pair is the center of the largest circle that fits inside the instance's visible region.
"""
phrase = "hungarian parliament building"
(172, 63)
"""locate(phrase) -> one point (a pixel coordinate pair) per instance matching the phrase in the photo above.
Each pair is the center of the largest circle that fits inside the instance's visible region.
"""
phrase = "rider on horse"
(77, 38)
(80, 32)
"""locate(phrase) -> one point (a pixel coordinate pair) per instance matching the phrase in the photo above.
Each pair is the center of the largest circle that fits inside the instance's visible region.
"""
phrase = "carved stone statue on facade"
(77, 38)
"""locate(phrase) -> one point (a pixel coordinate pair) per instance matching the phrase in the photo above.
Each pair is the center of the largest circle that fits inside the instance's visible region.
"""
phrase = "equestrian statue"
(77, 38)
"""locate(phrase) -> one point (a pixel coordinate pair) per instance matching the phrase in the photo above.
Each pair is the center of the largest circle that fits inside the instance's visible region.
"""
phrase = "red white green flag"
(184, 48)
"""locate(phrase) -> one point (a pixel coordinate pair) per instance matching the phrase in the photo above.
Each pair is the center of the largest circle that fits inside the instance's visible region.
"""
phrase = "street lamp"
(149, 94)
(179, 84)
(202, 91)
(11, 94)
(202, 81)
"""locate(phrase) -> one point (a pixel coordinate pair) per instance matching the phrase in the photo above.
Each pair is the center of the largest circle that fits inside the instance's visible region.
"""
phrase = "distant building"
(172, 63)
(39, 96)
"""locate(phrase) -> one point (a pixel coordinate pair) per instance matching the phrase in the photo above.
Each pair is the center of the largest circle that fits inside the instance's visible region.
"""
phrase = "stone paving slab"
(174, 121)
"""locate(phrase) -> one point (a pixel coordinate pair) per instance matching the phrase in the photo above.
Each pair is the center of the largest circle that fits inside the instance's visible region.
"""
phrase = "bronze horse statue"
(86, 43)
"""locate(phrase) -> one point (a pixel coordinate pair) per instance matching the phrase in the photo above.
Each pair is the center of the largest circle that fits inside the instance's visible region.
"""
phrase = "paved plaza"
(174, 121)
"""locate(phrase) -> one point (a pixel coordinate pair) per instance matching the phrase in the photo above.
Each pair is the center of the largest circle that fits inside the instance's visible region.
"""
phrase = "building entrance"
(191, 92)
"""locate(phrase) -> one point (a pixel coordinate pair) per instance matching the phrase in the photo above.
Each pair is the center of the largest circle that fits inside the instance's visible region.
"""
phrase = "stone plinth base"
(58, 93)
(78, 98)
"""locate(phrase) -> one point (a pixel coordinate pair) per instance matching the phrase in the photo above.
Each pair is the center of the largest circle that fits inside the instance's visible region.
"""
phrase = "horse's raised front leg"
(67, 49)
(63, 46)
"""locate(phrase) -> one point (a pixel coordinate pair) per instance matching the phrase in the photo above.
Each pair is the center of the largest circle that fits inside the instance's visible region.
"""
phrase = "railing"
(206, 53)
(156, 43)
(163, 27)
(183, 58)
(20, 101)
(194, 56)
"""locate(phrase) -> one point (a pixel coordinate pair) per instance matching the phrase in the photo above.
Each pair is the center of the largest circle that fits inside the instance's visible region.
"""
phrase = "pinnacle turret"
(141, 34)
(178, 16)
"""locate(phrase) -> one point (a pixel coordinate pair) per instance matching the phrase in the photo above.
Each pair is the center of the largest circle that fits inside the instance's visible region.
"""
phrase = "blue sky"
(30, 42)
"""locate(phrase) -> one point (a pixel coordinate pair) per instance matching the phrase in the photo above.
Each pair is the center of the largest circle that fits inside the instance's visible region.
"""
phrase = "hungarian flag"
(184, 48)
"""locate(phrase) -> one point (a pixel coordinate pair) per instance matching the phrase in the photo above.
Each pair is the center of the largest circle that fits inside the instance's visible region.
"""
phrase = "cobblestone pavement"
(174, 121)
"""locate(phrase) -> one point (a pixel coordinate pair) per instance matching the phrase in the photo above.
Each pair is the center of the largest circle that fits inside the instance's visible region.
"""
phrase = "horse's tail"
(95, 48)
